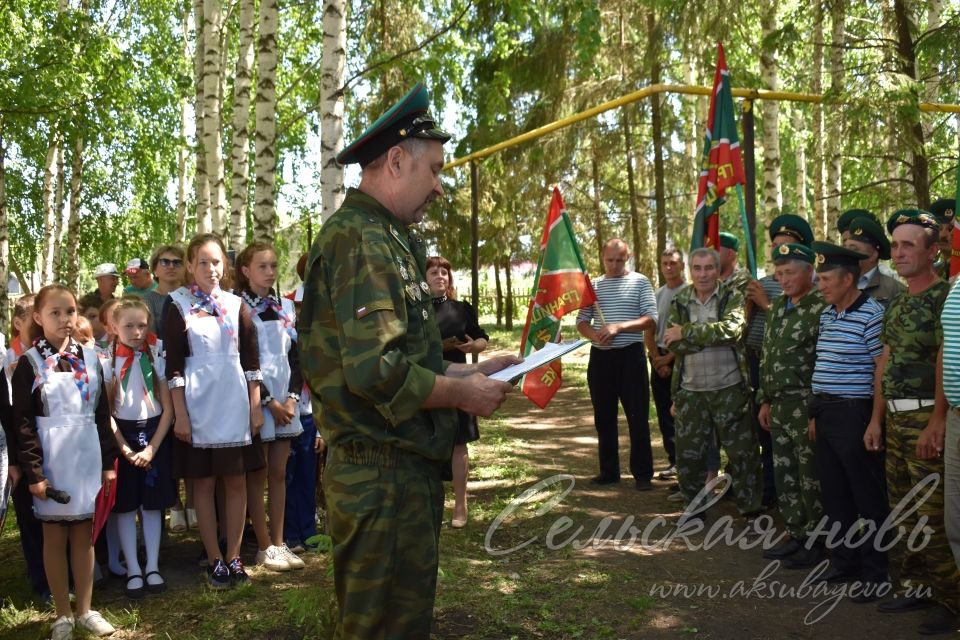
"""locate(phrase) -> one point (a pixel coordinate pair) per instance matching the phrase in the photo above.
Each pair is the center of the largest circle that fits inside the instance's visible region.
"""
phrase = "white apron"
(71, 445)
(275, 344)
(216, 390)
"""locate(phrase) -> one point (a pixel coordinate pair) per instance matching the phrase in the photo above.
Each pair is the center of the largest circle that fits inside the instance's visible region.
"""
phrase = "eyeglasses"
(170, 262)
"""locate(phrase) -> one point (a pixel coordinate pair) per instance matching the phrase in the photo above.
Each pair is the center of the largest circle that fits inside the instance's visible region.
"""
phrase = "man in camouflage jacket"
(710, 383)
(789, 355)
(915, 418)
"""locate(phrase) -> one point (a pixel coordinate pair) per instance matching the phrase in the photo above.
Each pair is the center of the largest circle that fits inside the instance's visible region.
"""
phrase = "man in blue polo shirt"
(851, 477)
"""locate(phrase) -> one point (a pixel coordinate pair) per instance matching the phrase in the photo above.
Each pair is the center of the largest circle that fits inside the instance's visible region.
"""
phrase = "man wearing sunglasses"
(166, 264)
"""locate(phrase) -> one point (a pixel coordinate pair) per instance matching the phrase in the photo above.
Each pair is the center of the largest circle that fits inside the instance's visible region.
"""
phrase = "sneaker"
(93, 622)
(296, 547)
(218, 576)
(178, 521)
(668, 474)
(192, 518)
(291, 558)
(272, 558)
(676, 496)
(237, 574)
(62, 628)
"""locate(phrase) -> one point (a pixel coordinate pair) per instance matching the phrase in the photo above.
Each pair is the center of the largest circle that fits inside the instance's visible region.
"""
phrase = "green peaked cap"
(869, 231)
(729, 241)
(794, 251)
(791, 225)
(848, 216)
(830, 255)
(944, 210)
(406, 119)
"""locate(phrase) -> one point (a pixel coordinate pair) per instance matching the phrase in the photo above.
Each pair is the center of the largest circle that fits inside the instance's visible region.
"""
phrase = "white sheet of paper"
(550, 352)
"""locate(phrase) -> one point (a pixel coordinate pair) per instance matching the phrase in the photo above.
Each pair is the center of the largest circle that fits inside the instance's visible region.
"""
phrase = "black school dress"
(459, 319)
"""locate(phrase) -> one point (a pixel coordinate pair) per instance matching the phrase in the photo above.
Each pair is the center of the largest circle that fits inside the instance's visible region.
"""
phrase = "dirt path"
(723, 591)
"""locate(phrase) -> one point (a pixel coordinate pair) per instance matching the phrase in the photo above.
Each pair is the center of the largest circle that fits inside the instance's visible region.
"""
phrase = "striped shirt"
(950, 320)
(848, 343)
(665, 296)
(627, 297)
(758, 321)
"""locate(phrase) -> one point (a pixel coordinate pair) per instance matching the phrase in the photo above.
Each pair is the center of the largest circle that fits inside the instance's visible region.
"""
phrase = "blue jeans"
(300, 515)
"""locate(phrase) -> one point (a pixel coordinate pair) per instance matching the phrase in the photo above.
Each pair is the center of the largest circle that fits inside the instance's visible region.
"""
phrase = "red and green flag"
(561, 286)
(721, 166)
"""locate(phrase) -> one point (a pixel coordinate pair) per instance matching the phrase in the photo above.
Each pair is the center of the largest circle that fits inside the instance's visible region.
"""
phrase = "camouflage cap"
(869, 231)
(944, 210)
(912, 216)
(793, 226)
(794, 251)
(406, 119)
(848, 216)
(830, 256)
(729, 241)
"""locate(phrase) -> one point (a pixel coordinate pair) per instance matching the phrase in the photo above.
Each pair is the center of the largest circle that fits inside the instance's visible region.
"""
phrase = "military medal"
(403, 273)
(424, 286)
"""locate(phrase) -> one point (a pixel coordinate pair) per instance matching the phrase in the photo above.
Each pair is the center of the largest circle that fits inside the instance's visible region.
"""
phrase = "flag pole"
(751, 258)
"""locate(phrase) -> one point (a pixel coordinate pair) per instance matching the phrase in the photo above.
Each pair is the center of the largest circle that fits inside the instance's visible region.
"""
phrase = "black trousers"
(663, 401)
(851, 483)
(766, 442)
(619, 376)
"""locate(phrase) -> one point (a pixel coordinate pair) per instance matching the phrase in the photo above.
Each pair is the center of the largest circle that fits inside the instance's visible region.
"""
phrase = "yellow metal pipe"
(751, 94)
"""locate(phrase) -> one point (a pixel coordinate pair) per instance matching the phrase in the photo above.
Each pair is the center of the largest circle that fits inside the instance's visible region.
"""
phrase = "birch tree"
(72, 278)
(835, 119)
(202, 183)
(4, 230)
(212, 134)
(49, 210)
(264, 206)
(820, 229)
(334, 58)
(239, 159)
(770, 112)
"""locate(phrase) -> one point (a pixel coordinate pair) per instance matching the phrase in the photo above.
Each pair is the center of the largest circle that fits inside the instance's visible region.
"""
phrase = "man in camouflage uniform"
(944, 210)
(906, 376)
(710, 383)
(731, 274)
(789, 355)
(372, 356)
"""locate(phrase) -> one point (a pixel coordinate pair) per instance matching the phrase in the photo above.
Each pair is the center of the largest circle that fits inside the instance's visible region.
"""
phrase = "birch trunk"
(212, 136)
(835, 119)
(4, 234)
(331, 104)
(240, 158)
(49, 211)
(770, 112)
(933, 78)
(202, 183)
(183, 151)
(820, 229)
(73, 225)
(264, 205)
(58, 218)
(799, 128)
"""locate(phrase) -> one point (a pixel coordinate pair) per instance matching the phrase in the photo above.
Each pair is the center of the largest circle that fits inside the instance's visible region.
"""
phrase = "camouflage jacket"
(695, 336)
(912, 331)
(790, 347)
(739, 280)
(370, 347)
(883, 288)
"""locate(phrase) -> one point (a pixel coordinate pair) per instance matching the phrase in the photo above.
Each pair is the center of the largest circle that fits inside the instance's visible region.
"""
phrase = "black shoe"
(237, 573)
(837, 576)
(602, 479)
(218, 576)
(135, 593)
(160, 587)
(900, 604)
(938, 620)
(804, 558)
(867, 592)
(788, 548)
(643, 485)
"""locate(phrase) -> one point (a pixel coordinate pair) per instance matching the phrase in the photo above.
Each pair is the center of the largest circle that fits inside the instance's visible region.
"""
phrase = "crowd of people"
(190, 377)
(832, 386)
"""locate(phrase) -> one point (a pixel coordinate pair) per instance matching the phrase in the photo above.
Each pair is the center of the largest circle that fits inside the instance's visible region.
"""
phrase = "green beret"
(794, 251)
(912, 216)
(944, 210)
(830, 256)
(406, 119)
(793, 226)
(869, 231)
(729, 241)
(848, 216)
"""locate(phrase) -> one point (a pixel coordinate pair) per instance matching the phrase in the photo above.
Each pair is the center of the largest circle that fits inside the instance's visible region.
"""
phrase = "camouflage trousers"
(932, 566)
(384, 519)
(726, 415)
(794, 466)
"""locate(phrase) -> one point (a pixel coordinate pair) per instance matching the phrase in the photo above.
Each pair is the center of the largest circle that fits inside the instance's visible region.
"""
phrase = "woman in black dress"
(461, 335)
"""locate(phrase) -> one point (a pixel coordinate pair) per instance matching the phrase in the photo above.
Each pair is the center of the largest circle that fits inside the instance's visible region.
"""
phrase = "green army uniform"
(913, 333)
(786, 369)
(725, 414)
(944, 210)
(880, 287)
(371, 351)
(740, 278)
